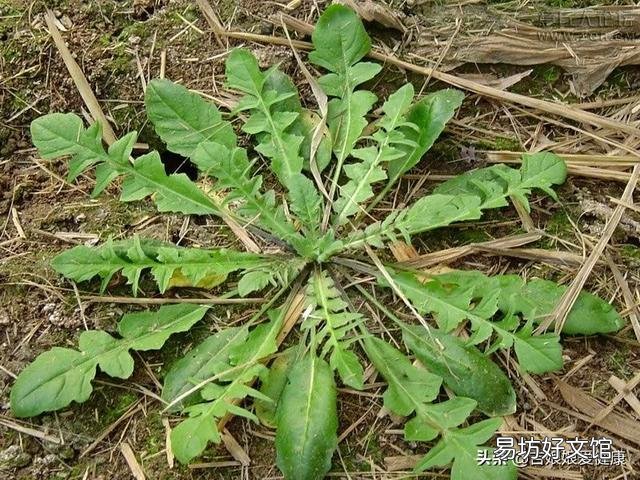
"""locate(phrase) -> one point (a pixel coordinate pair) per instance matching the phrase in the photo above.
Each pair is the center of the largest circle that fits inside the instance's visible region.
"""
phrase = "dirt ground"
(119, 46)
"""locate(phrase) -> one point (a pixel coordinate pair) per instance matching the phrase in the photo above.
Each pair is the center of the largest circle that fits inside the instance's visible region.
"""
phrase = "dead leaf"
(584, 403)
(375, 12)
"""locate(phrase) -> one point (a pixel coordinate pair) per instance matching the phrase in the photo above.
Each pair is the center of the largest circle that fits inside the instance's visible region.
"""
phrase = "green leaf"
(339, 39)
(191, 436)
(450, 306)
(459, 199)
(232, 170)
(340, 42)
(60, 134)
(273, 386)
(461, 446)
(346, 120)
(536, 298)
(332, 321)
(209, 358)
(363, 174)
(243, 74)
(411, 390)
(169, 265)
(62, 375)
(57, 135)
(171, 193)
(429, 115)
(409, 386)
(183, 119)
(463, 368)
(494, 184)
(307, 420)
(275, 118)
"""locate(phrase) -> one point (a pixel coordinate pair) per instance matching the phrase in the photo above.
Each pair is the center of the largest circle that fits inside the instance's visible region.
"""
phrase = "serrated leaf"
(340, 42)
(460, 446)
(58, 135)
(232, 170)
(191, 436)
(535, 299)
(429, 115)
(450, 306)
(254, 280)
(268, 116)
(204, 361)
(463, 368)
(62, 375)
(459, 199)
(307, 421)
(409, 385)
(167, 264)
(363, 174)
(411, 390)
(183, 119)
(172, 193)
(495, 183)
(275, 118)
(332, 321)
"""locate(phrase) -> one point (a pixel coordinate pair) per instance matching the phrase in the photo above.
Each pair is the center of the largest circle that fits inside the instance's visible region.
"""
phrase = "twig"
(565, 304)
(130, 457)
(212, 19)
(561, 110)
(80, 80)
(161, 301)
(29, 431)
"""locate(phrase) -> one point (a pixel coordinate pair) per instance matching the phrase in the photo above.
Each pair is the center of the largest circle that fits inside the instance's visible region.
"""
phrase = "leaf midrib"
(122, 344)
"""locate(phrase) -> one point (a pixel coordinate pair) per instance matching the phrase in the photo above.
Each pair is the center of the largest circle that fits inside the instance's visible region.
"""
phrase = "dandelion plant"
(336, 164)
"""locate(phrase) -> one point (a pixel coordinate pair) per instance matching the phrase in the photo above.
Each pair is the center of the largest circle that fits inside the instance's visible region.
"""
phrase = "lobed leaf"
(536, 298)
(340, 42)
(331, 320)
(220, 396)
(411, 390)
(389, 140)
(460, 447)
(494, 184)
(232, 170)
(462, 198)
(275, 118)
(451, 306)
(62, 375)
(57, 135)
(169, 265)
(429, 115)
(409, 386)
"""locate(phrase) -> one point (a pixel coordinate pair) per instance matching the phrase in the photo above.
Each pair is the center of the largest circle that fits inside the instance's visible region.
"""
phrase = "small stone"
(66, 22)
